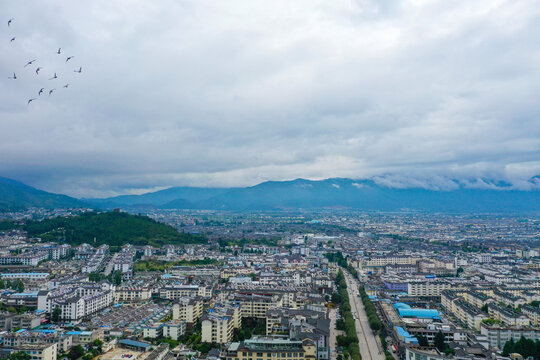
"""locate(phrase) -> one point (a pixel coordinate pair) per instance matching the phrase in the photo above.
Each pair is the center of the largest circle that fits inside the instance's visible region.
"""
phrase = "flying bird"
(30, 62)
(30, 100)
(54, 77)
(40, 91)
(14, 77)
(66, 86)
(51, 91)
(69, 58)
(37, 70)
(59, 52)
(9, 21)
(78, 71)
(12, 39)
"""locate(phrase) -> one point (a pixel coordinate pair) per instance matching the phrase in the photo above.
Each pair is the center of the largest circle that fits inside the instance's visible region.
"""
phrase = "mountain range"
(15, 196)
(337, 193)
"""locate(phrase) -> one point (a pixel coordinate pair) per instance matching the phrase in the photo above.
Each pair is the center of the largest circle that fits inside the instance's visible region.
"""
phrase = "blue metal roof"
(400, 305)
(18, 274)
(419, 313)
(405, 334)
(135, 343)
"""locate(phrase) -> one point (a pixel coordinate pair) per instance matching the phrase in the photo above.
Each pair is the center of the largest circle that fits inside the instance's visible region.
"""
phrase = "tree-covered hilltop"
(112, 228)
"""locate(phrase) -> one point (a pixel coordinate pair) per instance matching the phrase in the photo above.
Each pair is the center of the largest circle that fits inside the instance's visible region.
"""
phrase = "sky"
(234, 93)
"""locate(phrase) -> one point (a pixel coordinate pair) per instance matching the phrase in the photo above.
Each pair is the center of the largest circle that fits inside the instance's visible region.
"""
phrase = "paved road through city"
(333, 342)
(369, 348)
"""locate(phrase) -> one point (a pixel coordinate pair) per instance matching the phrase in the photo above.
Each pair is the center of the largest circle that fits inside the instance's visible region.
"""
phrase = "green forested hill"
(112, 228)
(15, 196)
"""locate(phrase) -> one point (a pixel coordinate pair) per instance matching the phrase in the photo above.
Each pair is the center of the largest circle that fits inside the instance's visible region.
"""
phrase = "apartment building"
(509, 317)
(43, 337)
(427, 288)
(188, 309)
(29, 259)
(469, 315)
(533, 313)
(219, 322)
(380, 261)
(195, 271)
(131, 293)
(265, 348)
(25, 276)
(256, 305)
(450, 333)
(123, 262)
(176, 292)
(97, 260)
(153, 331)
(9, 321)
(498, 335)
(75, 302)
(174, 329)
(38, 351)
(235, 271)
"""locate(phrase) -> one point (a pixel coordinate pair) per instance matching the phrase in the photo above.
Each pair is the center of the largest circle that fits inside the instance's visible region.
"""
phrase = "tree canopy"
(112, 228)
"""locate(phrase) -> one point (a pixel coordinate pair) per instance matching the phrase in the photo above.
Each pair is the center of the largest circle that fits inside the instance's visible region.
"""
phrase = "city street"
(333, 330)
(369, 346)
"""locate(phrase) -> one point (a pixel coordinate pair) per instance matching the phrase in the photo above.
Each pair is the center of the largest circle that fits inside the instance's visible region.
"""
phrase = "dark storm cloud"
(233, 93)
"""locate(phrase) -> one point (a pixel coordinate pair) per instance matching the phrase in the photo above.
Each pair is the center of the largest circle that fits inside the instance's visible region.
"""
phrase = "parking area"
(123, 354)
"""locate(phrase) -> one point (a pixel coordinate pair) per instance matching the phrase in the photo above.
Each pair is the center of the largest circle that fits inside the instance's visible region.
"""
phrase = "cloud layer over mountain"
(210, 93)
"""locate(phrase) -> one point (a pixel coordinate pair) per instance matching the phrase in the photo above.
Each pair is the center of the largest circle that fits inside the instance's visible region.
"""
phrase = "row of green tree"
(349, 341)
(525, 347)
(439, 342)
(374, 321)
(161, 265)
(338, 258)
(15, 284)
(250, 326)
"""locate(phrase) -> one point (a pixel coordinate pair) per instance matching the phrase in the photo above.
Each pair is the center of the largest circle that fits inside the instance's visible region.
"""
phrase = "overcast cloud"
(233, 93)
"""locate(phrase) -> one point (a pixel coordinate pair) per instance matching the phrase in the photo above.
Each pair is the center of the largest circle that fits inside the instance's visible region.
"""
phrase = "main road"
(369, 346)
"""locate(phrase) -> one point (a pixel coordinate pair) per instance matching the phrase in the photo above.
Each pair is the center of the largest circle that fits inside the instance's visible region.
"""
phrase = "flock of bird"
(42, 90)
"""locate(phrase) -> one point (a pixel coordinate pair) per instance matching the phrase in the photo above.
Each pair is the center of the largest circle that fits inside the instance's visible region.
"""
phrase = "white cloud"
(233, 93)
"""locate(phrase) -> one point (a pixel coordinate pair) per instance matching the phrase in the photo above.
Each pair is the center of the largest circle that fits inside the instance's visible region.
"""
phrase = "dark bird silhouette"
(40, 91)
(12, 39)
(30, 62)
(37, 70)
(9, 21)
(79, 71)
(51, 91)
(66, 86)
(30, 100)
(69, 58)
(14, 77)
(59, 52)
(54, 77)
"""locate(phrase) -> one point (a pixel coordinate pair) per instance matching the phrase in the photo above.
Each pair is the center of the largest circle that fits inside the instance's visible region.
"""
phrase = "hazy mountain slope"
(15, 195)
(367, 195)
(341, 193)
(158, 198)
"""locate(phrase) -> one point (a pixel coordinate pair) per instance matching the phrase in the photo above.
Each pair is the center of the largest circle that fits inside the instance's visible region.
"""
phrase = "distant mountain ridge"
(186, 195)
(15, 196)
(383, 194)
(338, 193)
